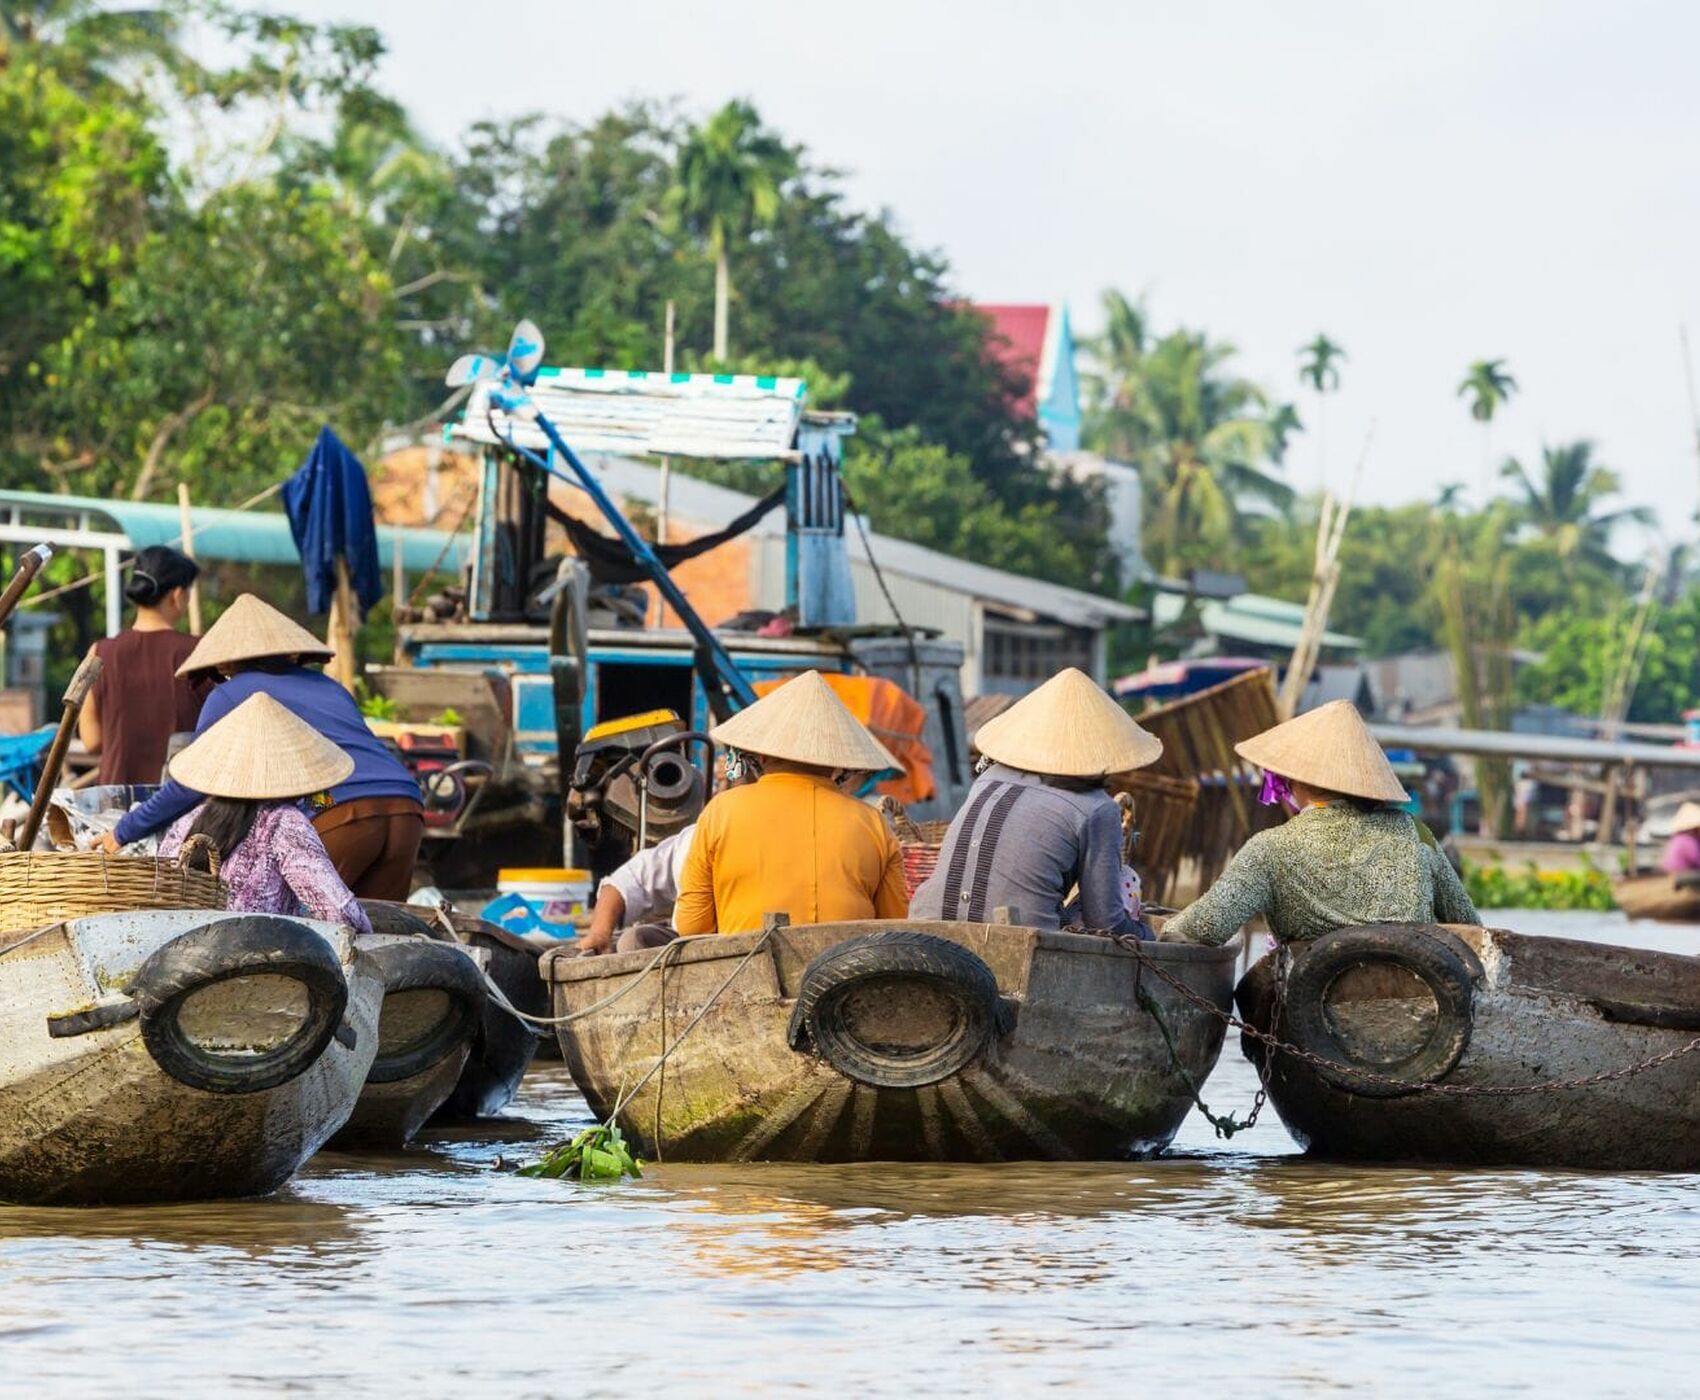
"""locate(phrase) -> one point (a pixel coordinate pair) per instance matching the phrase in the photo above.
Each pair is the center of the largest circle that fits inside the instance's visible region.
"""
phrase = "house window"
(1019, 655)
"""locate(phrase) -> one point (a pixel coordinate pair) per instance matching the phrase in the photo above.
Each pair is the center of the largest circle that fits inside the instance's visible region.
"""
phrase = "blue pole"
(726, 668)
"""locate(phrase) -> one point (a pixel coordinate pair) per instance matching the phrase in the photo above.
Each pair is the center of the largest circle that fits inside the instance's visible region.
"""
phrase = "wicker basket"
(919, 842)
(38, 888)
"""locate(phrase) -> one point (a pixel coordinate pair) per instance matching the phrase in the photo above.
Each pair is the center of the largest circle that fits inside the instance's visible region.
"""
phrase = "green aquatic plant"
(596, 1154)
(1497, 887)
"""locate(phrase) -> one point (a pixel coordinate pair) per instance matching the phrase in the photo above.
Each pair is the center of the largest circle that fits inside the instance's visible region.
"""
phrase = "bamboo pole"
(342, 627)
(187, 519)
(75, 693)
(398, 589)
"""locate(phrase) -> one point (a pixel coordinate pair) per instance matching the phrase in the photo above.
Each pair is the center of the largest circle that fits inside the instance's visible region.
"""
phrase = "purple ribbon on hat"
(1277, 792)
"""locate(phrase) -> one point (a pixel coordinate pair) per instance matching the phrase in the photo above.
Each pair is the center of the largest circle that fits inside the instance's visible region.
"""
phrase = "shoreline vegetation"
(1528, 886)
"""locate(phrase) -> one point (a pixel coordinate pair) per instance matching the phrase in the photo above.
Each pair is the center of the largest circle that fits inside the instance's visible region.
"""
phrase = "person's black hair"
(226, 822)
(157, 570)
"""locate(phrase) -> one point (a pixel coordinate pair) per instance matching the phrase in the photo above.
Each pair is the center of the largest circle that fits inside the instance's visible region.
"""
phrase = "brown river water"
(1229, 1265)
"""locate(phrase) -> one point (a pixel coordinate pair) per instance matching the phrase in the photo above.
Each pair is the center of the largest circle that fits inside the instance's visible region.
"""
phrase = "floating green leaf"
(596, 1154)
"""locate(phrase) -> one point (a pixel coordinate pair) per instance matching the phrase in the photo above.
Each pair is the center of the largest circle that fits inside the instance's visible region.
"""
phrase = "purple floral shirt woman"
(280, 867)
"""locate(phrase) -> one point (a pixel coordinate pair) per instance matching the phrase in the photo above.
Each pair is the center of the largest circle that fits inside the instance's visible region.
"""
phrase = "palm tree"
(1487, 384)
(730, 173)
(1201, 436)
(1562, 502)
(1319, 367)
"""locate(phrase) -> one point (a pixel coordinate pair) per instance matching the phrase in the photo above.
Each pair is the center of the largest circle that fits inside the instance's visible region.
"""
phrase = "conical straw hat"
(803, 721)
(1068, 727)
(1330, 748)
(251, 629)
(1687, 818)
(260, 750)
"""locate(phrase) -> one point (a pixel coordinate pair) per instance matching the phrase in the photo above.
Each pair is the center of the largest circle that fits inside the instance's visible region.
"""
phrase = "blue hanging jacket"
(329, 505)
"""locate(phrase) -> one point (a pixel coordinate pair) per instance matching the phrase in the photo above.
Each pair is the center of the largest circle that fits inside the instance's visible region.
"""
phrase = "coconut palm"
(730, 173)
(1319, 367)
(1488, 385)
(1202, 437)
(1562, 502)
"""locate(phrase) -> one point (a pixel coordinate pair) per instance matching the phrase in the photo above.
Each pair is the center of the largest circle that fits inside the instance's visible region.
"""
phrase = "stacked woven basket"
(39, 888)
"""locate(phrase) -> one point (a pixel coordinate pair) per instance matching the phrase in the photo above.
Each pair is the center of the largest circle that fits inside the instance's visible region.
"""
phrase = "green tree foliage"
(1579, 655)
(1487, 384)
(1563, 500)
(728, 177)
(1204, 439)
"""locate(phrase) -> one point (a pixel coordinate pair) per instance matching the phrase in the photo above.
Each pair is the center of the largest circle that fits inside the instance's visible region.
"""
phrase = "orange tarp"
(896, 719)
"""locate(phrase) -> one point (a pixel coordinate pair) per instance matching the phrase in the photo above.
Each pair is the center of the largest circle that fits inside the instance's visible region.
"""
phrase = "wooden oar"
(75, 693)
(29, 566)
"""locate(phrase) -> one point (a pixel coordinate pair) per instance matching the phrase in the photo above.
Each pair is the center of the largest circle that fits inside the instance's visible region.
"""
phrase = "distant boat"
(1658, 896)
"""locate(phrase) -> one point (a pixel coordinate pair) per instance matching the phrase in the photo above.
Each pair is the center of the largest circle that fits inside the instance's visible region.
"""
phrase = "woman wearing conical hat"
(1348, 854)
(257, 766)
(1038, 820)
(1682, 851)
(372, 821)
(792, 842)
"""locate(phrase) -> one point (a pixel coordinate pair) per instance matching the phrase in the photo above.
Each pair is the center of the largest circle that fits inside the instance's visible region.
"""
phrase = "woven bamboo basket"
(919, 842)
(38, 888)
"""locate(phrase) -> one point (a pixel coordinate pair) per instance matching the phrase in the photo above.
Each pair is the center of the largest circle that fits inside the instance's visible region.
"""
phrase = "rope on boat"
(1275, 1045)
(27, 938)
(627, 1095)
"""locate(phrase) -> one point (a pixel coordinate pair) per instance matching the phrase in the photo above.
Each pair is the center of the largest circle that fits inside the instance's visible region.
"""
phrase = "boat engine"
(633, 783)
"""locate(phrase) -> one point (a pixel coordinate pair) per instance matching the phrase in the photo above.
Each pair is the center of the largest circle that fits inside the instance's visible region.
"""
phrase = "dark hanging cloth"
(329, 506)
(610, 561)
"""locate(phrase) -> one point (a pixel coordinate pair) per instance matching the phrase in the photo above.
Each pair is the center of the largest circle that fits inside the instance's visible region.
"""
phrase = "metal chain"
(1276, 1045)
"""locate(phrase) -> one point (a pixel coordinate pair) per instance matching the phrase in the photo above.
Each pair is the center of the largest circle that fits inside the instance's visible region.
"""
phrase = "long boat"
(177, 1055)
(1657, 896)
(899, 1041)
(1481, 1046)
(433, 1002)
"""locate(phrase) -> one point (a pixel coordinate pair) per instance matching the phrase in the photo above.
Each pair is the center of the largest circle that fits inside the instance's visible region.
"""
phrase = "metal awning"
(635, 412)
(1485, 743)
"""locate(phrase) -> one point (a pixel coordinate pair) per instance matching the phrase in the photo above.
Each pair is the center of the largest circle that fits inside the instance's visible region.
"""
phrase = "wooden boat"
(1483, 1008)
(502, 1045)
(177, 1055)
(433, 999)
(913, 1041)
(1656, 895)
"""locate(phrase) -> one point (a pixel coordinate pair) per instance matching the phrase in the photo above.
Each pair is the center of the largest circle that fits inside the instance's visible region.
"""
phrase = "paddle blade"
(469, 369)
(525, 352)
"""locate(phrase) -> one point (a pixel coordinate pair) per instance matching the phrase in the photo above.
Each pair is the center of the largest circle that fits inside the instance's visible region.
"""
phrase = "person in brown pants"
(373, 842)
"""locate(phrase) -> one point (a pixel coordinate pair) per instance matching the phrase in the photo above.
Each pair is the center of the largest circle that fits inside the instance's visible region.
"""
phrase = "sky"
(1428, 184)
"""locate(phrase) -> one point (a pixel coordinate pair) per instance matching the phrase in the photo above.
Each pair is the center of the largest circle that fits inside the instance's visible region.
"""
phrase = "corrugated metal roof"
(688, 415)
(1249, 617)
(1498, 744)
(240, 536)
(706, 503)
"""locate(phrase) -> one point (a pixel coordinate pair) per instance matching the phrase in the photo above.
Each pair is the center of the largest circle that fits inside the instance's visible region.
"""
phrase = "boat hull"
(1656, 896)
(433, 999)
(503, 1046)
(92, 1118)
(1076, 1070)
(1540, 1010)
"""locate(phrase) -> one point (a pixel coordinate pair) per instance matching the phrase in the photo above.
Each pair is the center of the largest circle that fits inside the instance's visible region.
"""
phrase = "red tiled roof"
(1018, 340)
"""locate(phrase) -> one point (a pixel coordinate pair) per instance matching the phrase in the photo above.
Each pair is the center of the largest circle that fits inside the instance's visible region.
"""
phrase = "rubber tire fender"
(900, 955)
(406, 920)
(248, 945)
(1429, 953)
(426, 965)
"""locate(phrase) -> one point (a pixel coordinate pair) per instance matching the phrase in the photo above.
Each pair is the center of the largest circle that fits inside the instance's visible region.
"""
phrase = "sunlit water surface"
(1225, 1265)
